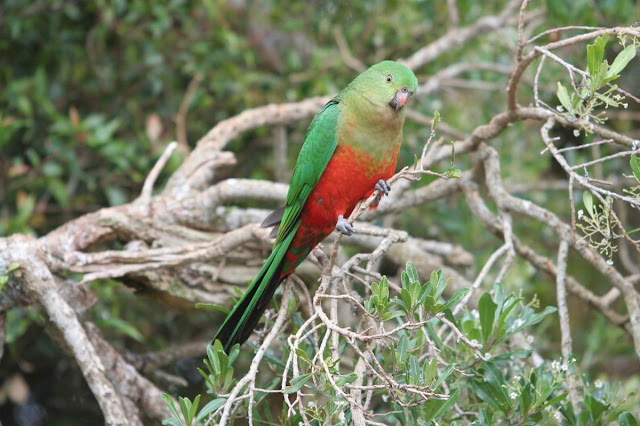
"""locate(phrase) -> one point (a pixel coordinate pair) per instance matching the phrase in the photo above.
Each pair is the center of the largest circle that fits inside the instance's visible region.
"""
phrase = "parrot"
(349, 151)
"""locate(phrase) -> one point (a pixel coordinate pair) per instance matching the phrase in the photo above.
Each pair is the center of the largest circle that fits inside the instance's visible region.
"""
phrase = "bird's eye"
(389, 79)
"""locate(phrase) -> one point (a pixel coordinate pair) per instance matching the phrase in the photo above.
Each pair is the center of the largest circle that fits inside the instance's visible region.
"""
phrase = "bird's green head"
(387, 83)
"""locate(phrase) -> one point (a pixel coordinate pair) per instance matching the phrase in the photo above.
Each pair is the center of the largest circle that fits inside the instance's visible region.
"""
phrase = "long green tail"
(244, 316)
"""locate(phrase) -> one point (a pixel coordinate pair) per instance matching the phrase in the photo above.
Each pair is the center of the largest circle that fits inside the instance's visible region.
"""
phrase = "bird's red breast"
(349, 177)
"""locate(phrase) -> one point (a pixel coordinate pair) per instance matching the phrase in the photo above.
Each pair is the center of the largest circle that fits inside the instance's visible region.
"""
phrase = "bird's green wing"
(319, 145)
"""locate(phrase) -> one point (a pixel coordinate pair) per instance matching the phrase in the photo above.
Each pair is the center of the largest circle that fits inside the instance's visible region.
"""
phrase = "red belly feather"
(349, 177)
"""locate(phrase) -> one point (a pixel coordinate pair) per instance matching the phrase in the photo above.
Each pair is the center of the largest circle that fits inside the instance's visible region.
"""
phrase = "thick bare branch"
(40, 285)
(195, 173)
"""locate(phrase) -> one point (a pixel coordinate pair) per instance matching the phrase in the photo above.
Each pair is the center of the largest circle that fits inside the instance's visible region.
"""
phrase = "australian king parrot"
(350, 150)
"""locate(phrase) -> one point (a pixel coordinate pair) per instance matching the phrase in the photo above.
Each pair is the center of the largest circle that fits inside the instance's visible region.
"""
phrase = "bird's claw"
(383, 186)
(344, 226)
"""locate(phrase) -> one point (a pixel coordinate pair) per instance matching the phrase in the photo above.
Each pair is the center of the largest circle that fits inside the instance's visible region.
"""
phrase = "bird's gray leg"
(344, 226)
(383, 186)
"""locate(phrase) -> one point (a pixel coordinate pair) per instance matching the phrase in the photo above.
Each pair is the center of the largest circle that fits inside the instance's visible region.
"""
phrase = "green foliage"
(595, 90)
(597, 407)
(189, 414)
(423, 298)
(379, 302)
(493, 381)
(74, 107)
(218, 379)
(219, 374)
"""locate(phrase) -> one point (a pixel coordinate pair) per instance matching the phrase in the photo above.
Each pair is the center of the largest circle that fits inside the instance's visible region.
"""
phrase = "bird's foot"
(344, 226)
(383, 186)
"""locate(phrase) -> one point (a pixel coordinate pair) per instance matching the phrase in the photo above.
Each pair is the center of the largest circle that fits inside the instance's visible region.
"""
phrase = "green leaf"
(297, 383)
(528, 319)
(591, 59)
(213, 307)
(596, 407)
(622, 60)
(403, 348)
(457, 296)
(188, 408)
(438, 282)
(302, 354)
(606, 100)
(414, 369)
(172, 406)
(436, 120)
(555, 400)
(212, 354)
(343, 379)
(4, 278)
(526, 397)
(430, 305)
(453, 397)
(210, 408)
(627, 419)
(595, 54)
(634, 162)
(412, 273)
(487, 310)
(194, 407)
(587, 199)
(406, 298)
(444, 375)
(486, 393)
(430, 371)
(563, 97)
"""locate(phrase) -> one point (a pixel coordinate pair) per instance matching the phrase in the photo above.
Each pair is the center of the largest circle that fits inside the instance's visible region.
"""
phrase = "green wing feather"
(319, 145)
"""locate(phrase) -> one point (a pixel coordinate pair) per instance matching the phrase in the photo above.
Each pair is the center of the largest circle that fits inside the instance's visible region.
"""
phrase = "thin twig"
(150, 181)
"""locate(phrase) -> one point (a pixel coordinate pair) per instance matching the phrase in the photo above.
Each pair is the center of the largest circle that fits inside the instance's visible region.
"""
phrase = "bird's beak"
(400, 99)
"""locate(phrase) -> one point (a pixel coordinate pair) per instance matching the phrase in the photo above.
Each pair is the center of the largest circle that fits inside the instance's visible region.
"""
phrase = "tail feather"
(244, 316)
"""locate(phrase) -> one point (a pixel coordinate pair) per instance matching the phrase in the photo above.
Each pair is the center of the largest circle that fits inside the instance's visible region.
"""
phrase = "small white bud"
(576, 132)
